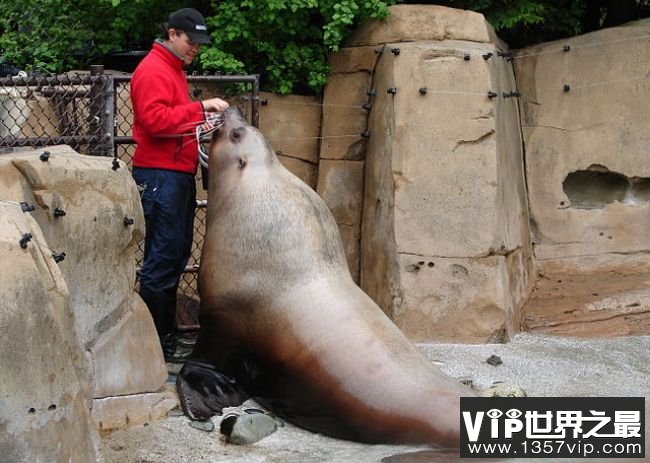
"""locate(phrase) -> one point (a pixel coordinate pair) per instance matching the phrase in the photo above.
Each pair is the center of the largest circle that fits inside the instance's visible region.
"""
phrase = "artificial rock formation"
(346, 102)
(587, 147)
(444, 244)
(291, 123)
(43, 399)
(79, 333)
(340, 184)
(585, 126)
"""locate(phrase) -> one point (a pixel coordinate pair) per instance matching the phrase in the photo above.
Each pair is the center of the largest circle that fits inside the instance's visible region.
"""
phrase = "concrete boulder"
(444, 246)
(43, 402)
(412, 23)
(341, 187)
(78, 331)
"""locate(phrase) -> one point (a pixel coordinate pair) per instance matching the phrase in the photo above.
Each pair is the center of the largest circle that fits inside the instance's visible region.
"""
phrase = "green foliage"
(286, 41)
(28, 39)
(514, 17)
(518, 21)
(525, 22)
(58, 35)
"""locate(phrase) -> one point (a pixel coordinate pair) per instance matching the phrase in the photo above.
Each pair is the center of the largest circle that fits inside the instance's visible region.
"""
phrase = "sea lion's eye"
(242, 163)
(236, 134)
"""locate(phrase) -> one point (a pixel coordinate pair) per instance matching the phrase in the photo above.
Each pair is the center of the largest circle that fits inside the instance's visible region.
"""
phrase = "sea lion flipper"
(204, 391)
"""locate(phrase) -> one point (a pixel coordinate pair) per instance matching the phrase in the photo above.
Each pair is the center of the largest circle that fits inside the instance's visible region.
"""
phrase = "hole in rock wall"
(597, 186)
(640, 189)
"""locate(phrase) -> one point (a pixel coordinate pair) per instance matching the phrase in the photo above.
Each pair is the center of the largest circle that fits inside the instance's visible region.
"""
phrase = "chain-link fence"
(93, 114)
(68, 109)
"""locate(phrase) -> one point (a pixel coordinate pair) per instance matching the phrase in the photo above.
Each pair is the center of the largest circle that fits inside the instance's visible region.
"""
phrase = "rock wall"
(43, 399)
(346, 103)
(585, 112)
(80, 335)
(444, 243)
(291, 123)
(587, 147)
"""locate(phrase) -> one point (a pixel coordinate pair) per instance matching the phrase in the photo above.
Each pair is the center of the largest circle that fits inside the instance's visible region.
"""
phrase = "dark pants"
(168, 201)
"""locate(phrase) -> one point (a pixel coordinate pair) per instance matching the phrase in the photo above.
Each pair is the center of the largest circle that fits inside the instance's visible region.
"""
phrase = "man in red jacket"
(165, 163)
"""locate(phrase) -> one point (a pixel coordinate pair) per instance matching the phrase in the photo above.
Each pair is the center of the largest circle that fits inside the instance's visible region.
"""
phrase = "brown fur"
(281, 315)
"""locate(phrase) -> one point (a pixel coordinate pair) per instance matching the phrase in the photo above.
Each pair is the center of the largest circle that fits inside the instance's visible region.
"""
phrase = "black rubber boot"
(162, 307)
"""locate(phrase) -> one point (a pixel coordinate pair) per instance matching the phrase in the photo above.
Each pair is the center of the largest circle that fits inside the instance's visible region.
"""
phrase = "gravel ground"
(542, 365)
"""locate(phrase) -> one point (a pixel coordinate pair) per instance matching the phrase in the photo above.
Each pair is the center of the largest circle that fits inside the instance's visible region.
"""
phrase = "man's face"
(182, 45)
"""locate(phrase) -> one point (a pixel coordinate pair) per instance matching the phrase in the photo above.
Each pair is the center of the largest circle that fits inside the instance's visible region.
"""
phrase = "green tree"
(526, 22)
(59, 35)
(286, 41)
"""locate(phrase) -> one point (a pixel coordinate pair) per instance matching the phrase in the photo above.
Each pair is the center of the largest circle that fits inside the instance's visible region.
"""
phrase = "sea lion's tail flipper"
(204, 391)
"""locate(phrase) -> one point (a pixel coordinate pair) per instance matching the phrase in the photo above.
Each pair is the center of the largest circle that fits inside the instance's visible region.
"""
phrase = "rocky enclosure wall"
(426, 176)
(584, 112)
(587, 146)
(443, 244)
(79, 350)
(426, 183)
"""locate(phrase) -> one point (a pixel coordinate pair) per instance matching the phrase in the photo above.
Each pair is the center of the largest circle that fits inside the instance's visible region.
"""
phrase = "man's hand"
(215, 105)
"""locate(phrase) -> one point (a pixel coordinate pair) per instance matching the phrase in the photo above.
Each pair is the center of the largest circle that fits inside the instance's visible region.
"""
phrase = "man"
(165, 163)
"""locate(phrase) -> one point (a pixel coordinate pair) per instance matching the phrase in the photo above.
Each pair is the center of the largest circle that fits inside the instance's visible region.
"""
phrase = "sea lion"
(283, 322)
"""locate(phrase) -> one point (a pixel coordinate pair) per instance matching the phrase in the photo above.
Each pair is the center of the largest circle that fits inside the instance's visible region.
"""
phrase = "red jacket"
(164, 116)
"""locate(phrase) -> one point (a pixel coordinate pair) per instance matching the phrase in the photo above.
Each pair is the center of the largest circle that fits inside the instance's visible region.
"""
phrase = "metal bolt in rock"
(25, 207)
(27, 237)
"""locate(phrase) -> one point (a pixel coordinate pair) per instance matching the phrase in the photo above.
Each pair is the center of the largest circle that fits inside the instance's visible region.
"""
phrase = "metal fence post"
(255, 100)
(100, 123)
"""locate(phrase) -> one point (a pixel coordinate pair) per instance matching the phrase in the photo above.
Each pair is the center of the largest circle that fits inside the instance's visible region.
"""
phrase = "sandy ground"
(542, 365)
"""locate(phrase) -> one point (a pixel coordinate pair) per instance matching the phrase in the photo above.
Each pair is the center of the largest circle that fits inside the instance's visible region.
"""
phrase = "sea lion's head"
(237, 145)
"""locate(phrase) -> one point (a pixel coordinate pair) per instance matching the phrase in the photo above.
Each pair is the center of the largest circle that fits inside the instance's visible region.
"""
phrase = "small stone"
(174, 412)
(494, 360)
(250, 428)
(204, 425)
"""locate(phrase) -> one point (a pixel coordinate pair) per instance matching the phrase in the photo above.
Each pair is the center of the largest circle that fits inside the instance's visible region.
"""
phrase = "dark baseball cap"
(192, 23)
